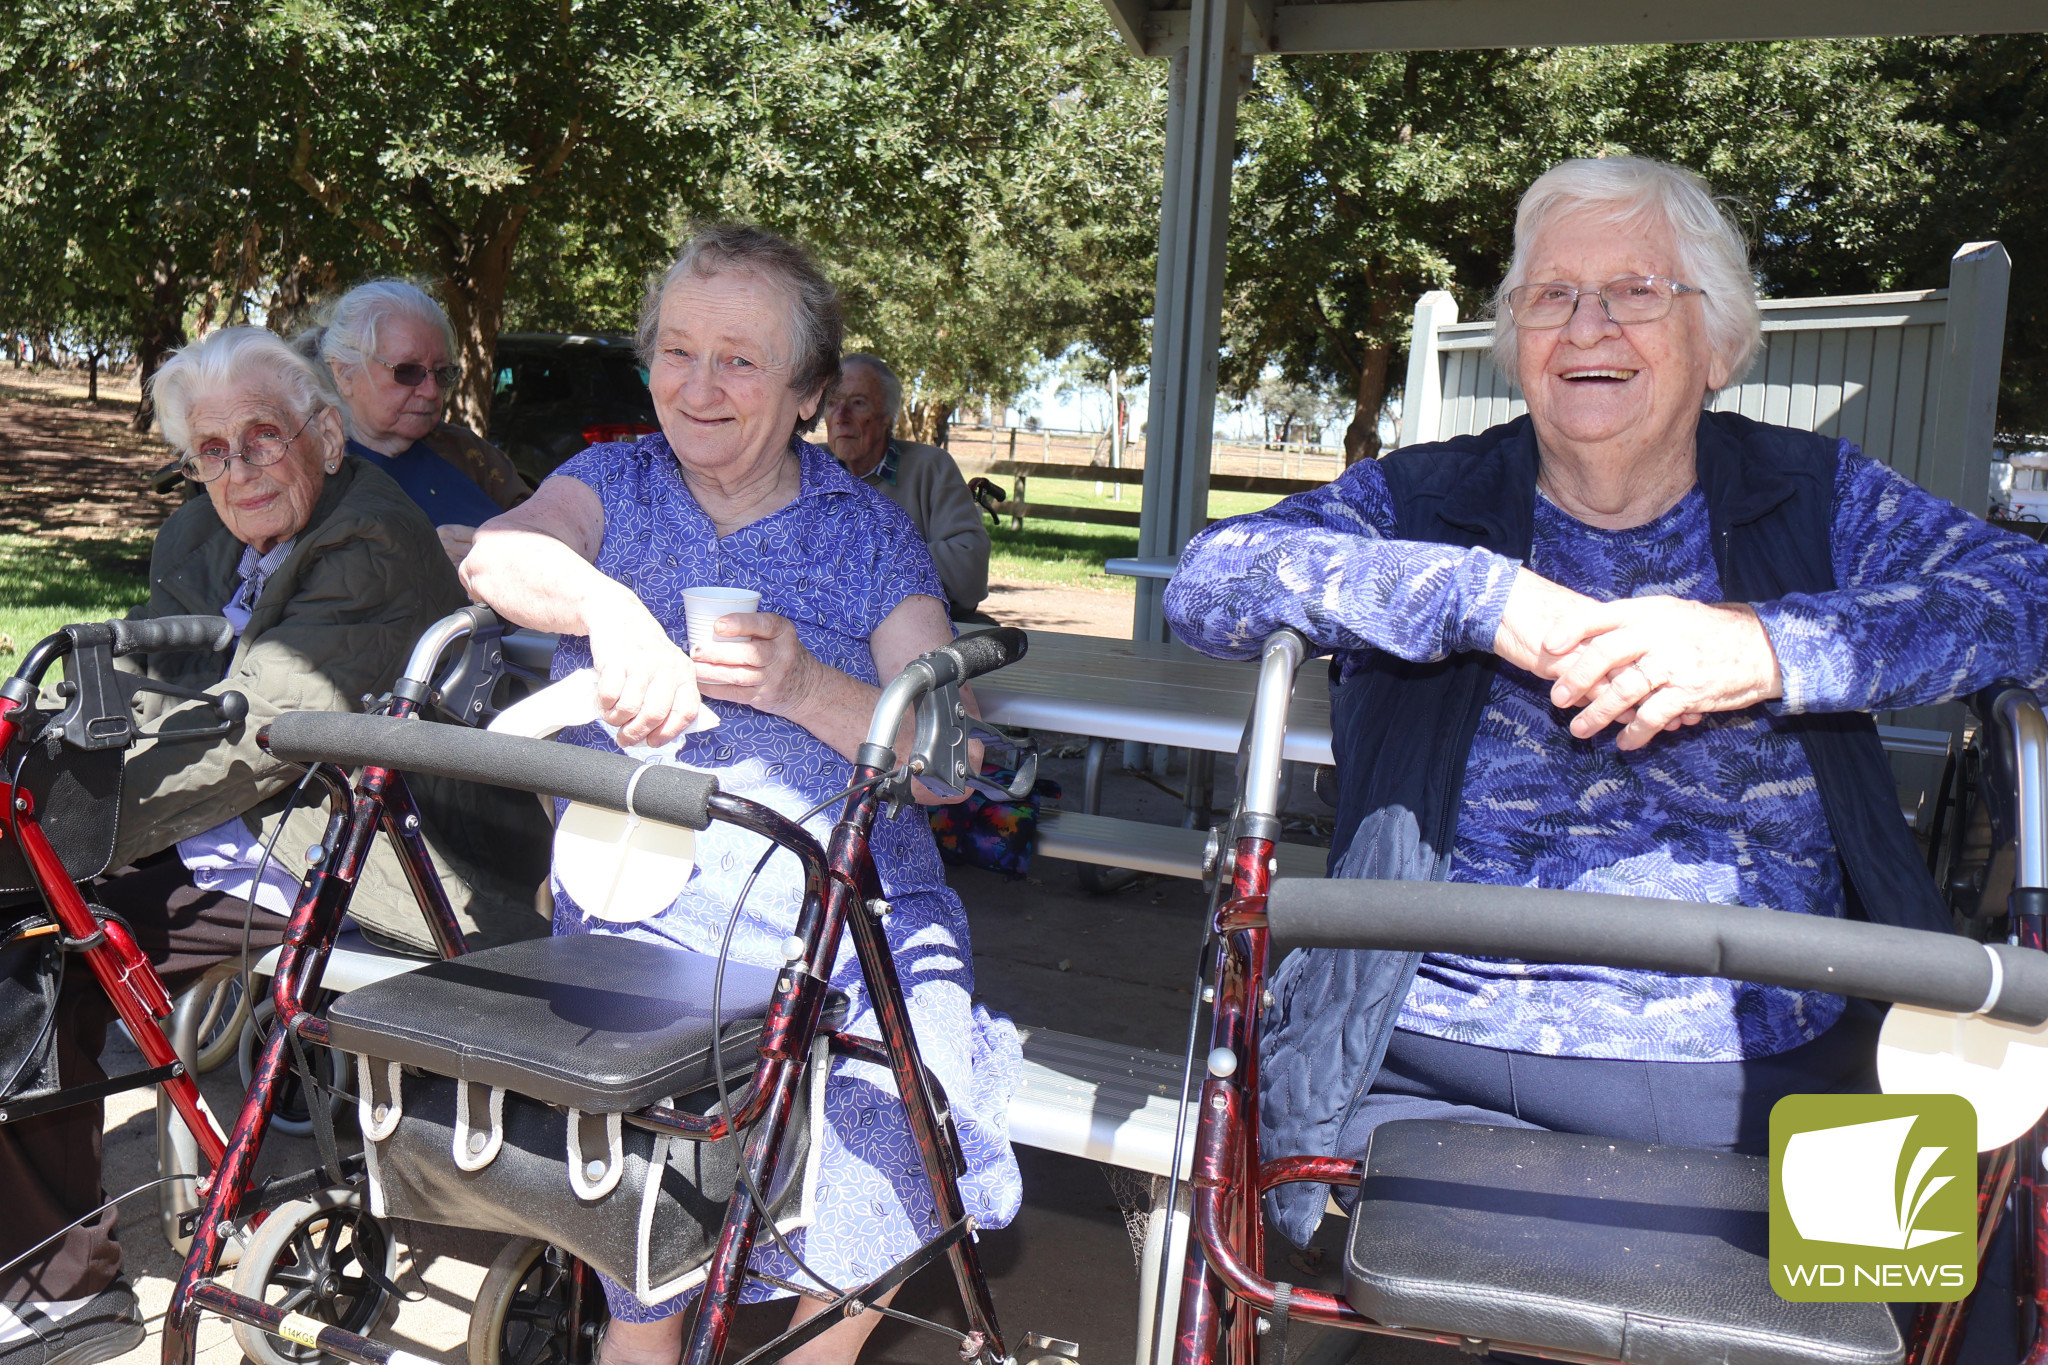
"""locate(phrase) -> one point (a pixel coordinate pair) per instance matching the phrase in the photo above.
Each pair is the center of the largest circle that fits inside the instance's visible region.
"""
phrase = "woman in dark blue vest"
(1619, 644)
(392, 352)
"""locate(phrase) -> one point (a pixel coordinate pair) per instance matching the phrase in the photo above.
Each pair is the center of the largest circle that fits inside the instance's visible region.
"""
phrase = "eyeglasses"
(1629, 299)
(412, 374)
(263, 447)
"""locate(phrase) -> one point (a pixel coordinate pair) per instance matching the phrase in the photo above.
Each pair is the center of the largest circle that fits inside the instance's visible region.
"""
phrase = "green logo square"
(1873, 1198)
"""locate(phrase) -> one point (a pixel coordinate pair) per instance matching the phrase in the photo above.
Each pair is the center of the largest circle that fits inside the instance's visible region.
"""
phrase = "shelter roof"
(1156, 28)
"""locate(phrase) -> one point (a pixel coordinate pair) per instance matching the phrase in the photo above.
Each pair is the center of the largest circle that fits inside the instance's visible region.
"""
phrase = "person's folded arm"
(1933, 604)
(1325, 563)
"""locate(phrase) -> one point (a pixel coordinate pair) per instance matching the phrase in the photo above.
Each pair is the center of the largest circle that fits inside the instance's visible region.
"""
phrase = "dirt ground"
(70, 469)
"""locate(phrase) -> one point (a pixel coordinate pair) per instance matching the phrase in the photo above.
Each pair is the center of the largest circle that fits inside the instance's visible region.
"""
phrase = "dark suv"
(557, 393)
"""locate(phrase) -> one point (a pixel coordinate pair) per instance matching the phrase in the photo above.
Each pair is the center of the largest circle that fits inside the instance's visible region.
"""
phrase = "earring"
(331, 468)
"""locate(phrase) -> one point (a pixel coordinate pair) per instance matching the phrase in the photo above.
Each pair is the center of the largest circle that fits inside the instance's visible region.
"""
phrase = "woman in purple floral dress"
(741, 338)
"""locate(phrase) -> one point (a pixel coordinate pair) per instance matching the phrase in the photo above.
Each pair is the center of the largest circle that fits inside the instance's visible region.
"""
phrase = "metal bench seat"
(1620, 1250)
(1164, 850)
(593, 1022)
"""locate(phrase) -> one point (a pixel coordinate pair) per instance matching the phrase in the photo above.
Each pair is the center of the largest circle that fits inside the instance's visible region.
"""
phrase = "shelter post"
(1194, 220)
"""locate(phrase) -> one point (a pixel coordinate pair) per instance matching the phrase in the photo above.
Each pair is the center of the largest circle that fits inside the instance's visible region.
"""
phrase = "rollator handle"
(981, 651)
(165, 634)
(1736, 942)
(655, 791)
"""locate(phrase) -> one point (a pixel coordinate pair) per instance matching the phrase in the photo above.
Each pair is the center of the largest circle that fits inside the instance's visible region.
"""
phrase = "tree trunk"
(159, 326)
(92, 377)
(926, 422)
(1362, 436)
(473, 292)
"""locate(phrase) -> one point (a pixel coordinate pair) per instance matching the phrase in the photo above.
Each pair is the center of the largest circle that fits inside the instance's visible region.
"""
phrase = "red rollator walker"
(61, 794)
(620, 1105)
(1571, 1248)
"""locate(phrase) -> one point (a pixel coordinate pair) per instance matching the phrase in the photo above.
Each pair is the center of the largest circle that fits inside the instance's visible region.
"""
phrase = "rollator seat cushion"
(593, 1022)
(1630, 1252)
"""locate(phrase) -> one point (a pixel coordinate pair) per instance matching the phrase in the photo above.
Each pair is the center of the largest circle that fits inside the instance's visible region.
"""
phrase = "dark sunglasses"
(412, 374)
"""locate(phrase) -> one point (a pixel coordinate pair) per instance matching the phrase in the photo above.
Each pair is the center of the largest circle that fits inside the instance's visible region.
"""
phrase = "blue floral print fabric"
(1931, 604)
(835, 562)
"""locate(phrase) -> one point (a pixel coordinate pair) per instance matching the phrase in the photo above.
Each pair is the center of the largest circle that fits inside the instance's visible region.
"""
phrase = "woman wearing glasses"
(391, 351)
(1620, 644)
(328, 573)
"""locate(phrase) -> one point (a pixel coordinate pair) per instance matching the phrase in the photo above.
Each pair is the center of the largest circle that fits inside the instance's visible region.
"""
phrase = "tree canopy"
(982, 177)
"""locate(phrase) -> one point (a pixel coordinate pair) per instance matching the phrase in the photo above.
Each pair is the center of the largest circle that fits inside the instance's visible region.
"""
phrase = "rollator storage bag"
(491, 1089)
(655, 1239)
(31, 973)
(77, 796)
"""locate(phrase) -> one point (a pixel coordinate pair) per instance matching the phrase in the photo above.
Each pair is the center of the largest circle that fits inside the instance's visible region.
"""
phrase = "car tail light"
(597, 433)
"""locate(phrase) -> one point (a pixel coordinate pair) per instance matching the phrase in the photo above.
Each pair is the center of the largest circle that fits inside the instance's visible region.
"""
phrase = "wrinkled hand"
(646, 684)
(757, 660)
(1655, 663)
(1536, 608)
(456, 542)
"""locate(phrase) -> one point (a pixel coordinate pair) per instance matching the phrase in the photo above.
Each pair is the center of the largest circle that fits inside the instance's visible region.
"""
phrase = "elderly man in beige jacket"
(921, 479)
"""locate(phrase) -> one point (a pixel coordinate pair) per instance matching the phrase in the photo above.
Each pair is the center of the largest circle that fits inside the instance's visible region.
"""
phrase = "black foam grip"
(672, 795)
(985, 651)
(170, 633)
(1740, 943)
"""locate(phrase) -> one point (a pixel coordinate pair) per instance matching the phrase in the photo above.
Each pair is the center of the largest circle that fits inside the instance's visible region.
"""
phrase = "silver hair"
(345, 333)
(1627, 192)
(892, 387)
(815, 331)
(236, 357)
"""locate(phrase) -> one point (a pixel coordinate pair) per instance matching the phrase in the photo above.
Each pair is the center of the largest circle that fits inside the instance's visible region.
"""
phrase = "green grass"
(1071, 552)
(46, 582)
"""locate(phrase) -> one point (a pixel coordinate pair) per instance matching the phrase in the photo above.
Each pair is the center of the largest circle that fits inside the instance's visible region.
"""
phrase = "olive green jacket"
(333, 624)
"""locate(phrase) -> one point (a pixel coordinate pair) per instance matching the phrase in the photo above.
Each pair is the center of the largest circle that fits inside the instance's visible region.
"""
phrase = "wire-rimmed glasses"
(1625, 299)
(262, 447)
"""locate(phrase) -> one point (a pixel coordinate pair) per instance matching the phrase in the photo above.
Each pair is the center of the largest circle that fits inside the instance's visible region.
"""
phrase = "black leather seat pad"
(592, 1021)
(1650, 1255)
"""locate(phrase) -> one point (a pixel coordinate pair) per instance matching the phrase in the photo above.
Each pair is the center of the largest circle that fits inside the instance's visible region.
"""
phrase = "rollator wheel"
(290, 1115)
(309, 1257)
(522, 1312)
(220, 1026)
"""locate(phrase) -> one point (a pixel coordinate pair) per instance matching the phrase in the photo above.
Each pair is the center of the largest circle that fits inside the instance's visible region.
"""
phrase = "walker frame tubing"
(1225, 1296)
(852, 902)
(378, 800)
(116, 961)
(842, 893)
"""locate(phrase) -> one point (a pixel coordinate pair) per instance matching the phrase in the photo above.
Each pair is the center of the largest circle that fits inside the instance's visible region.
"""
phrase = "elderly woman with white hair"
(392, 352)
(1619, 644)
(328, 573)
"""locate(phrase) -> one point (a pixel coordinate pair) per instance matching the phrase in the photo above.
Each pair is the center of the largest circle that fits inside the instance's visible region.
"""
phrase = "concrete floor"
(1116, 967)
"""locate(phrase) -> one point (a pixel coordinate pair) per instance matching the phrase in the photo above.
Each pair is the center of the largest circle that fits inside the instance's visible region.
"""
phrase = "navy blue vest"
(1403, 731)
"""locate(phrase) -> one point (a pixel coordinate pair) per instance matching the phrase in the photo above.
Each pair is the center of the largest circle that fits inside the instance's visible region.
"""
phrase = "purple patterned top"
(835, 561)
(1932, 603)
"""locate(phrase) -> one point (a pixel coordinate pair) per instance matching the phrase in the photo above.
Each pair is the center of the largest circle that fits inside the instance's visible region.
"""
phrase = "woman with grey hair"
(328, 573)
(391, 351)
(741, 338)
(1618, 644)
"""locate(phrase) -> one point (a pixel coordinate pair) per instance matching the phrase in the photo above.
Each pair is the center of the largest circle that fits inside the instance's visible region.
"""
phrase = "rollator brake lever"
(1026, 765)
(99, 710)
